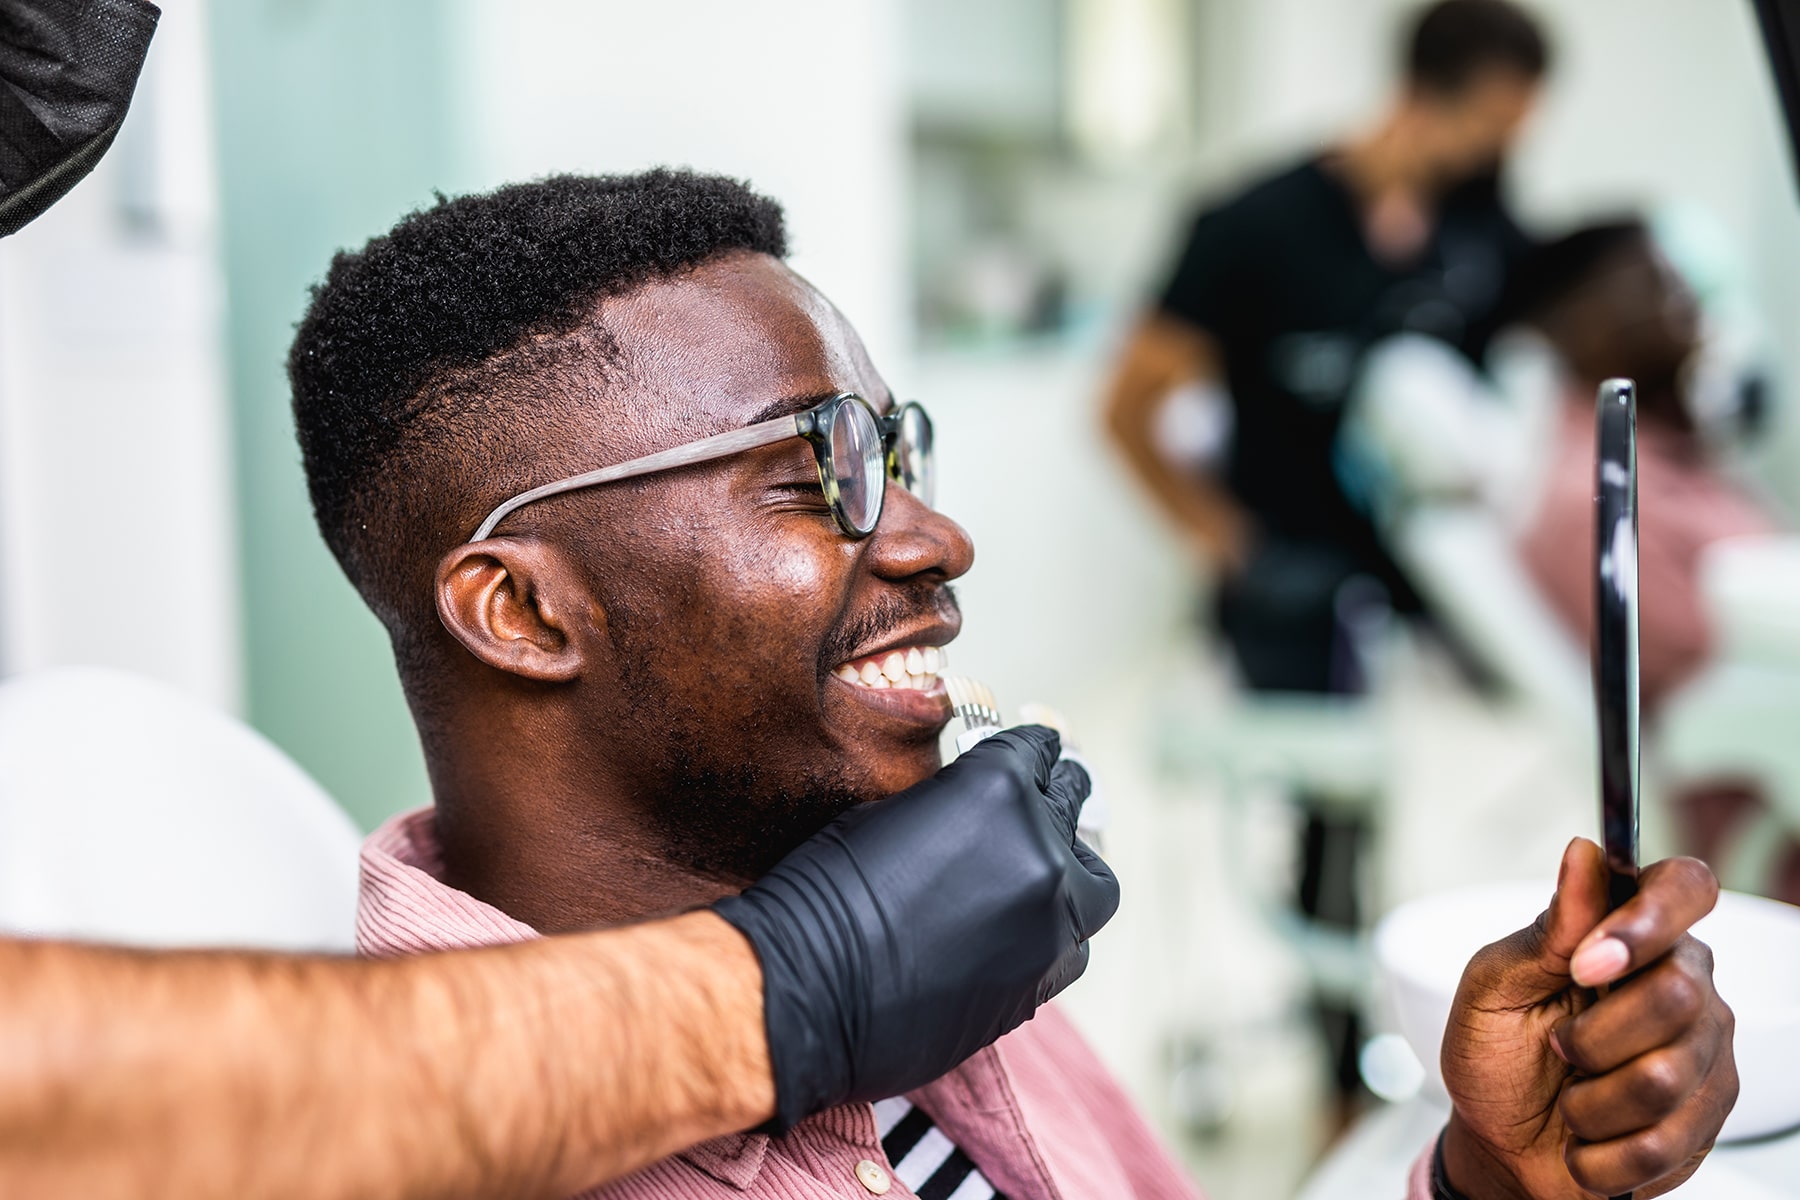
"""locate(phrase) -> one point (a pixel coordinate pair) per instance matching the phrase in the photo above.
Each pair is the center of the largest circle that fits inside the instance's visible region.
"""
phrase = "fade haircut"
(434, 365)
(1454, 41)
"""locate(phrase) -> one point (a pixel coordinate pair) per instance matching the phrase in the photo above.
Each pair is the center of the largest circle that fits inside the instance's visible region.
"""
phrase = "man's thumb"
(1534, 962)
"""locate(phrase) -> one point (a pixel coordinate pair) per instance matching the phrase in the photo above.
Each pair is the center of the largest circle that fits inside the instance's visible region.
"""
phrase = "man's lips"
(921, 702)
(901, 682)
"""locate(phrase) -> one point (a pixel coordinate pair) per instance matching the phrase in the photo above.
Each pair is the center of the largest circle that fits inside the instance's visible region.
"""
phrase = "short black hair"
(1455, 40)
(1555, 270)
(428, 358)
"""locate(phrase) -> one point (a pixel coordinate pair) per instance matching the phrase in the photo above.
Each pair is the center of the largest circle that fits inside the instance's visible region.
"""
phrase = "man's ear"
(516, 606)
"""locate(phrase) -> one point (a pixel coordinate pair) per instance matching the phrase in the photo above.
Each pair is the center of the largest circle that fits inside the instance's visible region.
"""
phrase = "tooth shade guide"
(971, 700)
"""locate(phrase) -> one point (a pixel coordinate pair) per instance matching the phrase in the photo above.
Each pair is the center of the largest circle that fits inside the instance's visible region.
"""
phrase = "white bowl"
(1422, 947)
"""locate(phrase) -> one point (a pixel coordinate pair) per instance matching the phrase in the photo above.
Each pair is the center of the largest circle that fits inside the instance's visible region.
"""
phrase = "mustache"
(916, 604)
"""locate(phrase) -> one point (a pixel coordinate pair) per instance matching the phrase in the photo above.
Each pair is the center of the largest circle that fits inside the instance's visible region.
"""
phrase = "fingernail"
(1556, 1045)
(1600, 962)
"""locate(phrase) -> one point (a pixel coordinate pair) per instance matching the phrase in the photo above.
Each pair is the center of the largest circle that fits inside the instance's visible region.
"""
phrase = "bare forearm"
(1197, 505)
(1160, 356)
(539, 1069)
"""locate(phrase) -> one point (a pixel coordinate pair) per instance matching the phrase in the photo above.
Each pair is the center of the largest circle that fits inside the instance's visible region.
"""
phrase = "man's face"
(728, 601)
(1472, 130)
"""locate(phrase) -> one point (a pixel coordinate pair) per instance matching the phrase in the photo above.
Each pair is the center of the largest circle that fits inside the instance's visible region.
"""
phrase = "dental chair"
(1739, 719)
(1336, 750)
(131, 813)
(1450, 464)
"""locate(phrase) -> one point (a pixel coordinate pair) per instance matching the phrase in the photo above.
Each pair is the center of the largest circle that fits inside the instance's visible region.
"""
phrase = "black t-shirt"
(1282, 278)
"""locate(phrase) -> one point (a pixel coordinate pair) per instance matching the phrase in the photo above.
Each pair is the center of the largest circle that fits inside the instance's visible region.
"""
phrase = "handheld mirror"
(1616, 629)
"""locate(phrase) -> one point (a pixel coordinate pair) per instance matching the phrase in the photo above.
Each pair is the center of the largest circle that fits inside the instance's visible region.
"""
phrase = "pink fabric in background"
(1683, 507)
(1036, 1111)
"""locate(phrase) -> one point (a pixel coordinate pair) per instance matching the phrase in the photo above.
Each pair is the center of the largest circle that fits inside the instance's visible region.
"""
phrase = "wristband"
(1440, 1179)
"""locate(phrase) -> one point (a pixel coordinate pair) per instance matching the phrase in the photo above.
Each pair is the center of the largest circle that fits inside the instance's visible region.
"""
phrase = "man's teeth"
(914, 667)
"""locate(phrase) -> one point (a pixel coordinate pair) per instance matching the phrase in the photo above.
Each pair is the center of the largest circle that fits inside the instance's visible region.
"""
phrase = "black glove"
(67, 71)
(915, 930)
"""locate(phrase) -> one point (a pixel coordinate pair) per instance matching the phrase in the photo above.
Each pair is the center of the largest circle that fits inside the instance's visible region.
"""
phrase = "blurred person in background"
(1229, 394)
(1610, 303)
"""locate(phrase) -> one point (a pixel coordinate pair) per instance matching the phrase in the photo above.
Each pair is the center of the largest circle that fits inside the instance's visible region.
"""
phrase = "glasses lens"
(914, 465)
(856, 464)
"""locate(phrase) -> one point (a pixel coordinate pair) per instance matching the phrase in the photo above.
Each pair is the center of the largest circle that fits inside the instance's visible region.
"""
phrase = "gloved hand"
(67, 71)
(913, 931)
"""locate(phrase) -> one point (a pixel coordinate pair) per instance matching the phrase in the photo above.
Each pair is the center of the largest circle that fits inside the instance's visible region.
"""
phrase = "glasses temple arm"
(732, 441)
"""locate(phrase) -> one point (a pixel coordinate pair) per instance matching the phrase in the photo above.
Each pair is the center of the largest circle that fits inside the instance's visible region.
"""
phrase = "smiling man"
(654, 545)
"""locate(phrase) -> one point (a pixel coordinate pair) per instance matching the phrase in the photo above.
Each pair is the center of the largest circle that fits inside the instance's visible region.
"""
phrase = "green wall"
(331, 123)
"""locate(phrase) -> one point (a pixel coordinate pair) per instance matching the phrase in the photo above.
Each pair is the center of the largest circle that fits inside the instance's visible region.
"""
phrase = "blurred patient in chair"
(1610, 304)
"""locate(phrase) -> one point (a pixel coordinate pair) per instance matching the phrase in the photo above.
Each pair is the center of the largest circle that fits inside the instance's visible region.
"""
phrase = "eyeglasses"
(857, 451)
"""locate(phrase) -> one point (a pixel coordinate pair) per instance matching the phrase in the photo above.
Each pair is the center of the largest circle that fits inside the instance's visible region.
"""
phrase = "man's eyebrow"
(787, 406)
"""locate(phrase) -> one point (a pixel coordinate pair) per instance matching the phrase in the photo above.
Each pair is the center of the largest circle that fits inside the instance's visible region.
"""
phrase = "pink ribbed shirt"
(1036, 1111)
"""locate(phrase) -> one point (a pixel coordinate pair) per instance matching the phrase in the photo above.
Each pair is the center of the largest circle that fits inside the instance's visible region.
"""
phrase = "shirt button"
(871, 1176)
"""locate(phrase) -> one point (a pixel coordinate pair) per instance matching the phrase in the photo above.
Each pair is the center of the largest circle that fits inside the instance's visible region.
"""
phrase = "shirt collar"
(735, 1159)
(405, 907)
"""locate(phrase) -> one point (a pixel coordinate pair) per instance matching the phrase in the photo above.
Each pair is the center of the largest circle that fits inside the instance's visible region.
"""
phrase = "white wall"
(801, 97)
(993, 65)
(116, 532)
(1647, 98)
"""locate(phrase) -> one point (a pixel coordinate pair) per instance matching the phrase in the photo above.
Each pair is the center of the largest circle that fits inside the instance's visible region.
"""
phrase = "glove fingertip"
(1044, 743)
(1070, 967)
(1067, 773)
(1094, 892)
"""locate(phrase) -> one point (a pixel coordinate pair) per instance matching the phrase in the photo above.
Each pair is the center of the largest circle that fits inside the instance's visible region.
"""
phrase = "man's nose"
(912, 539)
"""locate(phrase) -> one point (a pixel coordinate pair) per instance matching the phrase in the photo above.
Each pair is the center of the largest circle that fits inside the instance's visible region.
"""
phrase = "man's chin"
(736, 834)
(898, 770)
(735, 822)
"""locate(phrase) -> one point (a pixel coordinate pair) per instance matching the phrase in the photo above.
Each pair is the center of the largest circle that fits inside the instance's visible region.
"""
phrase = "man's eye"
(802, 488)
